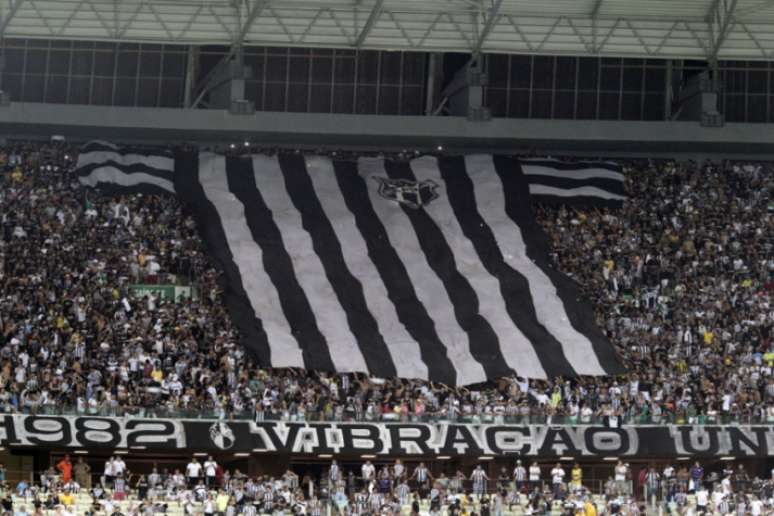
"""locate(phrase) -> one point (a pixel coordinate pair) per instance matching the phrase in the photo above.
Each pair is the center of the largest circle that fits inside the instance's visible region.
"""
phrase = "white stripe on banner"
(403, 348)
(330, 316)
(429, 289)
(549, 308)
(114, 176)
(248, 258)
(580, 173)
(516, 348)
(102, 143)
(158, 162)
(589, 191)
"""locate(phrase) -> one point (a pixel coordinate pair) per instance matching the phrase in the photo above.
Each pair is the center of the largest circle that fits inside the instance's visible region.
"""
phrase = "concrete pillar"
(466, 94)
(228, 90)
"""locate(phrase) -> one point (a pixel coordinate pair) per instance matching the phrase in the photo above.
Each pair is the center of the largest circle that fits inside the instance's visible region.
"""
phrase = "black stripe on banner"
(484, 345)
(210, 227)
(98, 146)
(134, 168)
(579, 312)
(513, 285)
(411, 312)
(348, 289)
(278, 265)
(565, 183)
(574, 165)
(577, 200)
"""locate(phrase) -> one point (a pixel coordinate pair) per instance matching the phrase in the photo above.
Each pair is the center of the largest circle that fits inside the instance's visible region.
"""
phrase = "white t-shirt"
(210, 468)
(193, 469)
(119, 466)
(756, 506)
(702, 497)
(368, 471)
(726, 485)
(557, 475)
(620, 473)
(534, 473)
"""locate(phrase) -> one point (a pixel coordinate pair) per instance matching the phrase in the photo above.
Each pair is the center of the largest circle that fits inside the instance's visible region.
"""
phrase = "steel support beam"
(488, 26)
(190, 73)
(252, 14)
(719, 19)
(205, 83)
(13, 8)
(594, 16)
(597, 8)
(376, 11)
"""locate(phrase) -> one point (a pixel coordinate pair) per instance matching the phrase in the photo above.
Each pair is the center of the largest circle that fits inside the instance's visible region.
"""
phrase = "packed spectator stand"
(682, 279)
(206, 487)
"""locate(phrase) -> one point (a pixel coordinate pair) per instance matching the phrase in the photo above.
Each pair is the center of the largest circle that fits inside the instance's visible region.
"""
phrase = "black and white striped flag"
(433, 268)
(104, 165)
(597, 183)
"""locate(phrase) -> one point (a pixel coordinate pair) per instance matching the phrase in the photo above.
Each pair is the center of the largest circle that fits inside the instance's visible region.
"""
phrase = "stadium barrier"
(386, 439)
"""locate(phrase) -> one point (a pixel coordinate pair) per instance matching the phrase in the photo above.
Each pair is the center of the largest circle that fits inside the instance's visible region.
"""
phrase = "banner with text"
(384, 439)
(165, 292)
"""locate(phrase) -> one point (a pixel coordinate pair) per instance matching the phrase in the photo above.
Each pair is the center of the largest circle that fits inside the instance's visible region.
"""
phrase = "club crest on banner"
(413, 194)
(222, 435)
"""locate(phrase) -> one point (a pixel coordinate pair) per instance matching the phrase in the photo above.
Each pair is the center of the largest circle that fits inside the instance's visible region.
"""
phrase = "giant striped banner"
(432, 268)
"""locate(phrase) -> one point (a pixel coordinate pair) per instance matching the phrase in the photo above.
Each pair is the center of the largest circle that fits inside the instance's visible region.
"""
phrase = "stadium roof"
(691, 29)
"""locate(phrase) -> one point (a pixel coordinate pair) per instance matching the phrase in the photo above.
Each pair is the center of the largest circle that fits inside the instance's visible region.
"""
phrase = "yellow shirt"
(157, 374)
(577, 474)
(222, 502)
(708, 337)
(590, 510)
(66, 499)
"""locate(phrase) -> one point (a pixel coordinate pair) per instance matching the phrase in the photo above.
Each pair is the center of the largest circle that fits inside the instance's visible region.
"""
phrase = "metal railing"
(28, 483)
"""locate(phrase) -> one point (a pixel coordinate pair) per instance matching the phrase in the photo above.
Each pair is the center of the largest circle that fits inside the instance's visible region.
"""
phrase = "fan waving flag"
(432, 268)
(599, 183)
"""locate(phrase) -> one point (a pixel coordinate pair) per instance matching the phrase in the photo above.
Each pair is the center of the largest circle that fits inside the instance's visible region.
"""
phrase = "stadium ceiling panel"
(691, 29)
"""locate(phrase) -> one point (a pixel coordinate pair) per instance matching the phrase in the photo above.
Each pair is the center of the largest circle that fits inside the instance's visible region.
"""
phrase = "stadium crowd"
(683, 282)
(394, 488)
(682, 278)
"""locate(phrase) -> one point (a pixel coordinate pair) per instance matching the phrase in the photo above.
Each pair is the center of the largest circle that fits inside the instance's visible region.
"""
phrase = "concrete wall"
(29, 120)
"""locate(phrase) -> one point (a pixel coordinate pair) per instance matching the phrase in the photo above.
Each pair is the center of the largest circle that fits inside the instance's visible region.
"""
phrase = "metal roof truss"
(691, 29)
